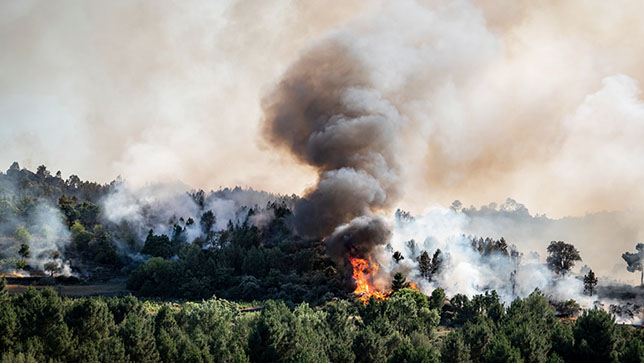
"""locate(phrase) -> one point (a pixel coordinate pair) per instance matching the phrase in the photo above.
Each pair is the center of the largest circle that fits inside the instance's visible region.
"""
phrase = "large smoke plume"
(327, 113)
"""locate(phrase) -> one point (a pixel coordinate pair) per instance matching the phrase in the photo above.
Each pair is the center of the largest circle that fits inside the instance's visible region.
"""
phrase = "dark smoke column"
(326, 112)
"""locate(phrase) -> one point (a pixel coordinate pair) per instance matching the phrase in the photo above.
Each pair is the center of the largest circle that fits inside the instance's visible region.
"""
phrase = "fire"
(13, 274)
(413, 286)
(362, 271)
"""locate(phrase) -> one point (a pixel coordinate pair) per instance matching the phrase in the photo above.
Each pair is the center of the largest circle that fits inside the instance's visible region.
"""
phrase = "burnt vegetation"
(258, 292)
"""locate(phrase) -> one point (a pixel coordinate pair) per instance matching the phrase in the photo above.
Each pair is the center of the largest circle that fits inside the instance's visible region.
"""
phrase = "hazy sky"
(535, 100)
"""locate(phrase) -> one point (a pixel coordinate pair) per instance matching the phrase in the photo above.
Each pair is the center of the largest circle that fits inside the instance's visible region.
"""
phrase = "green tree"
(138, 339)
(399, 282)
(24, 250)
(425, 265)
(634, 352)
(8, 319)
(408, 311)
(52, 267)
(437, 300)
(528, 326)
(563, 340)
(157, 246)
(454, 349)
(369, 347)
(501, 350)
(562, 257)
(22, 235)
(595, 337)
(478, 333)
(88, 213)
(255, 262)
(68, 206)
(407, 353)
(272, 340)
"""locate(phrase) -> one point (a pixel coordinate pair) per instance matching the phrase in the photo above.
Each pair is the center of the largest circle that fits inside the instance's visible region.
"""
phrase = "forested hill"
(250, 289)
(235, 243)
(17, 184)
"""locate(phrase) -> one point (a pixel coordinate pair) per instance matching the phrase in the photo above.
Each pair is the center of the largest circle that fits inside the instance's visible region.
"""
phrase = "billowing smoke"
(464, 269)
(327, 113)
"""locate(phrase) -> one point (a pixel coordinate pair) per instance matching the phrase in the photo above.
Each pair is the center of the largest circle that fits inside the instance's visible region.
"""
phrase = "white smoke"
(160, 206)
(464, 270)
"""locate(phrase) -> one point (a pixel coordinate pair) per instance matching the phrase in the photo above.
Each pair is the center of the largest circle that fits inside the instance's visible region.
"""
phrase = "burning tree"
(634, 261)
(562, 257)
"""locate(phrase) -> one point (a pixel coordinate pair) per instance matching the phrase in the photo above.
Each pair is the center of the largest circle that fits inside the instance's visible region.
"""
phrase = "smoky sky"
(538, 102)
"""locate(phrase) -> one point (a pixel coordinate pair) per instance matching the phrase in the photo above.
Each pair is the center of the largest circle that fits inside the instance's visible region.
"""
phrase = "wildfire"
(362, 271)
(13, 274)
(413, 286)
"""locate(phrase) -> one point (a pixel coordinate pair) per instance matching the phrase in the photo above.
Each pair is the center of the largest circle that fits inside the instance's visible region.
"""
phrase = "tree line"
(40, 326)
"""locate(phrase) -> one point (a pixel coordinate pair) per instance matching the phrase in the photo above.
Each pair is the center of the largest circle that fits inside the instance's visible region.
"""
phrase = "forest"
(236, 284)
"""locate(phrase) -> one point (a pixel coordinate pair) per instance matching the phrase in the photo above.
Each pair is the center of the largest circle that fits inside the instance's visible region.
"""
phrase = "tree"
(207, 221)
(399, 282)
(24, 251)
(501, 350)
(22, 234)
(429, 266)
(68, 206)
(88, 213)
(138, 337)
(590, 281)
(42, 171)
(634, 352)
(454, 349)
(157, 246)
(436, 262)
(407, 353)
(397, 256)
(52, 267)
(562, 257)
(595, 337)
(437, 300)
(73, 181)
(424, 265)
(14, 167)
(634, 261)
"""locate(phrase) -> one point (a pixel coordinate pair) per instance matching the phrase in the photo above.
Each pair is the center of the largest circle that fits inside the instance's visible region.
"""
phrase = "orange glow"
(362, 272)
(413, 286)
(13, 274)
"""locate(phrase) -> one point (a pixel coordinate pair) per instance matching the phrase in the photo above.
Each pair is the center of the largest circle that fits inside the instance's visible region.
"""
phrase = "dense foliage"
(40, 326)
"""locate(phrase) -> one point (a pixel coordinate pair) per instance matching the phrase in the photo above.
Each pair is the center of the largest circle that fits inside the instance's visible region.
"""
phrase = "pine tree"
(399, 282)
(590, 281)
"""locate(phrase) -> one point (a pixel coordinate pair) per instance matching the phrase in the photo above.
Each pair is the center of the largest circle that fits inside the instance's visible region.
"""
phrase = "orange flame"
(13, 274)
(362, 272)
(413, 286)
